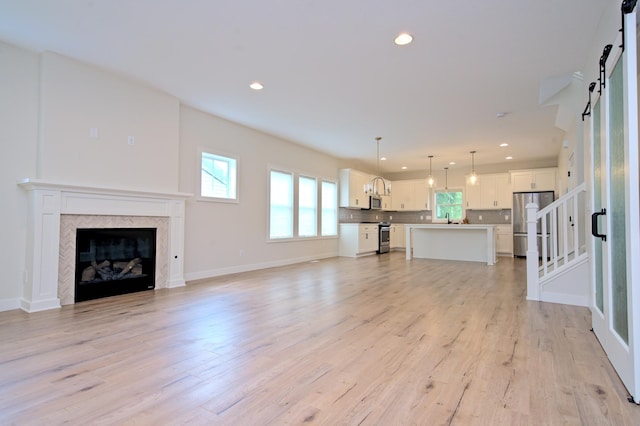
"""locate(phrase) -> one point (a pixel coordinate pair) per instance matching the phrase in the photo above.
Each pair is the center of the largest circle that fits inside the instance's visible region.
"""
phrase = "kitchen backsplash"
(490, 217)
(359, 216)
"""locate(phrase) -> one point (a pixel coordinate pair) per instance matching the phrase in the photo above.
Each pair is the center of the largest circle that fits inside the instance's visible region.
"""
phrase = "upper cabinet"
(409, 195)
(472, 195)
(496, 191)
(492, 191)
(352, 184)
(533, 180)
(386, 202)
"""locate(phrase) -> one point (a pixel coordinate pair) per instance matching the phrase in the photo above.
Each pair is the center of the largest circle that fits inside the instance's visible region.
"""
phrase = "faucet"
(447, 216)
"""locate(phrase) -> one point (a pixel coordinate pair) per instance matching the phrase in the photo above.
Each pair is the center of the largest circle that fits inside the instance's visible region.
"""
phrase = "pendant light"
(446, 178)
(430, 179)
(371, 188)
(473, 177)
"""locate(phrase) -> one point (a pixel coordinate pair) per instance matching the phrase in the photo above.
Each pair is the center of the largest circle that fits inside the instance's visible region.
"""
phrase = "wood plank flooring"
(372, 341)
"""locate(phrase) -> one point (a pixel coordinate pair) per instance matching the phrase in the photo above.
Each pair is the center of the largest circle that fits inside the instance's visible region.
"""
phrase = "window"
(218, 177)
(307, 207)
(448, 202)
(329, 206)
(281, 205)
(301, 206)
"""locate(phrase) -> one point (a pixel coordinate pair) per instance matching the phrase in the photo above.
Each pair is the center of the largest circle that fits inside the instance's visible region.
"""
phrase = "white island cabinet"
(475, 243)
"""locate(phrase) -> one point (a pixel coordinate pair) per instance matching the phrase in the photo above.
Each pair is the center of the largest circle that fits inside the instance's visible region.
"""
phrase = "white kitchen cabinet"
(401, 194)
(358, 239)
(352, 184)
(492, 191)
(421, 195)
(397, 237)
(495, 191)
(472, 196)
(386, 202)
(533, 180)
(504, 240)
(409, 195)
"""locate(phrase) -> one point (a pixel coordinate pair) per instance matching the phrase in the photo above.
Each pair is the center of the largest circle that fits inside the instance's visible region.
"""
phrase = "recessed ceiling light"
(404, 167)
(501, 114)
(403, 39)
(452, 163)
(256, 85)
(508, 158)
(383, 158)
(504, 144)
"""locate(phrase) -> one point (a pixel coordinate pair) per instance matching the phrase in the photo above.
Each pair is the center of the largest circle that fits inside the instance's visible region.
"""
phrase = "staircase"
(558, 267)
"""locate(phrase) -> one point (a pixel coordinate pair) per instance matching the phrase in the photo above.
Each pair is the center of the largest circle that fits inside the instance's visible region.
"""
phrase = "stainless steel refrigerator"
(520, 201)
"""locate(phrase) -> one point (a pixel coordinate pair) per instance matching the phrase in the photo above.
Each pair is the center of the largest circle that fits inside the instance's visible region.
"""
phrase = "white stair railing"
(561, 238)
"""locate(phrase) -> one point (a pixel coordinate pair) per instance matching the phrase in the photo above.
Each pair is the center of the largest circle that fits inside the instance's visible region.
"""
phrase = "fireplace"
(114, 261)
(58, 210)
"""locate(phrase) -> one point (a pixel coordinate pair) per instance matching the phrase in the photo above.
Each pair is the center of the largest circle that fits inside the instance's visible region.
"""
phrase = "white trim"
(633, 199)
(217, 153)
(211, 273)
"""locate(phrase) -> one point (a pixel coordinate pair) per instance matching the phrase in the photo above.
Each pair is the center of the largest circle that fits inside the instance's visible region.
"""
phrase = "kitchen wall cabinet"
(358, 239)
(504, 240)
(492, 191)
(397, 236)
(409, 195)
(386, 202)
(352, 184)
(472, 196)
(533, 180)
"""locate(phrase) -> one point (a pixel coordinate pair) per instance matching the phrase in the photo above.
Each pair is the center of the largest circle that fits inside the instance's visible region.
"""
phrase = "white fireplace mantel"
(49, 200)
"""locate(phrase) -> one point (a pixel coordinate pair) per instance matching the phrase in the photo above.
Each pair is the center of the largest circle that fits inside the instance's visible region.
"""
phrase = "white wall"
(18, 138)
(217, 233)
(48, 105)
(77, 97)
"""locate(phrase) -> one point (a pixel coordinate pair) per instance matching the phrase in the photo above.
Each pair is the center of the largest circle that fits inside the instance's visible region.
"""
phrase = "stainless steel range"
(384, 237)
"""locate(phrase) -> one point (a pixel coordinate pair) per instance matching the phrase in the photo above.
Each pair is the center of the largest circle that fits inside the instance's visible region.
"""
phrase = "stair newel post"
(533, 290)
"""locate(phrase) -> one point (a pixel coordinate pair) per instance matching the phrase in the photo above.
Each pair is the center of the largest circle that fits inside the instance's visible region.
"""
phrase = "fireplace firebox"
(114, 261)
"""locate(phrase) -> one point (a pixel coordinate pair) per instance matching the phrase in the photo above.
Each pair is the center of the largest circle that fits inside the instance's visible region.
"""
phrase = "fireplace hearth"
(114, 261)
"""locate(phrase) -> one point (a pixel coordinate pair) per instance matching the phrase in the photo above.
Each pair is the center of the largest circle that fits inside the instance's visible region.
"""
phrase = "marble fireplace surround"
(56, 210)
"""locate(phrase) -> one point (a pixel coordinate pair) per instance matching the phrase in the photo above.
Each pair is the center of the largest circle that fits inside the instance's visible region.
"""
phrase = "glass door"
(613, 125)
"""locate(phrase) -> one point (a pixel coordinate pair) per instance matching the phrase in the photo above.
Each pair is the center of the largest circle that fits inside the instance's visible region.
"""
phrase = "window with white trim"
(281, 205)
(448, 202)
(218, 177)
(301, 206)
(307, 207)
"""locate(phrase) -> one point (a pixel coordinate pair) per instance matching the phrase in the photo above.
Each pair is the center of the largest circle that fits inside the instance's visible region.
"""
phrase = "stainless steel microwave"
(375, 203)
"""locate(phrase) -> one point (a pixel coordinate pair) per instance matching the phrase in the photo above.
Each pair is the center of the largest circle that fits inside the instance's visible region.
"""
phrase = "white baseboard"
(40, 305)
(192, 276)
(9, 304)
(565, 299)
(176, 283)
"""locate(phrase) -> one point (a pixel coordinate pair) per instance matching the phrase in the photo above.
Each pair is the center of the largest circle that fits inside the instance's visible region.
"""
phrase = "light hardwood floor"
(343, 341)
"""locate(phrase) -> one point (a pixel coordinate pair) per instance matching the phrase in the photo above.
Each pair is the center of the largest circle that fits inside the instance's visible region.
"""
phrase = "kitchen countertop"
(451, 225)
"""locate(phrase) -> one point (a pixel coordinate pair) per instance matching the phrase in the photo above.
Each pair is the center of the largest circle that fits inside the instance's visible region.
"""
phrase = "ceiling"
(333, 77)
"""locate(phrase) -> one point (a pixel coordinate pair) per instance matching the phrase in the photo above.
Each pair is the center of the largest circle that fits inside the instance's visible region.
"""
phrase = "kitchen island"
(475, 243)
